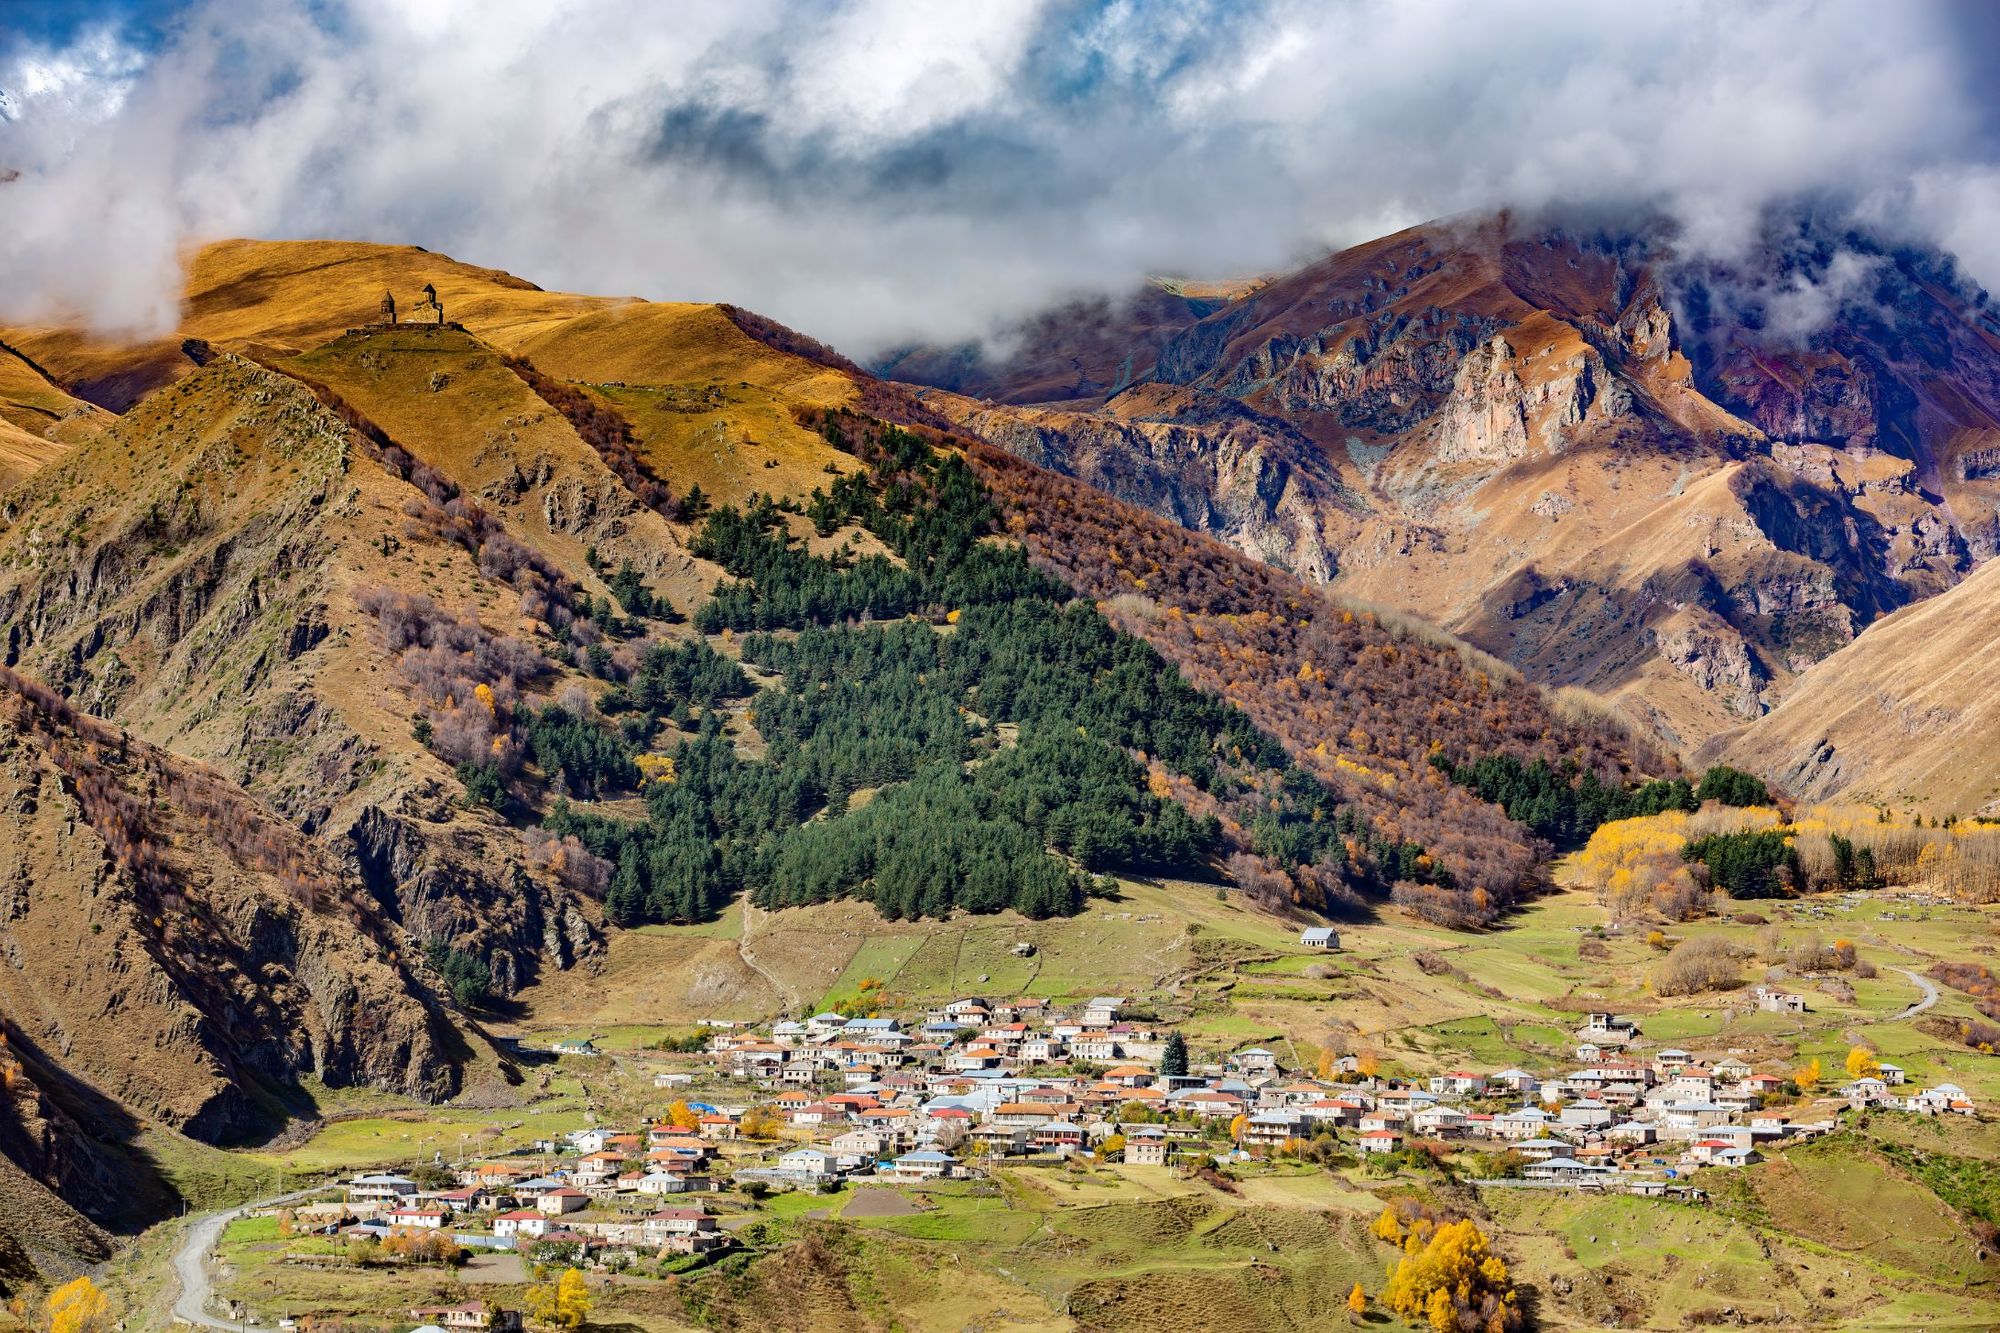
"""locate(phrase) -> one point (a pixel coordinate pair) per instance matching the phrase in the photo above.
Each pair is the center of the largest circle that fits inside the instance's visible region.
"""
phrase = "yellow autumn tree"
(1455, 1282)
(760, 1122)
(77, 1307)
(564, 1303)
(1357, 1302)
(682, 1116)
(1388, 1228)
(1861, 1063)
(655, 768)
(1237, 1126)
(1808, 1074)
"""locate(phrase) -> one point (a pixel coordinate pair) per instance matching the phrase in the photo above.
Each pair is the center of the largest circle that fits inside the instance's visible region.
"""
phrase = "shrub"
(1699, 963)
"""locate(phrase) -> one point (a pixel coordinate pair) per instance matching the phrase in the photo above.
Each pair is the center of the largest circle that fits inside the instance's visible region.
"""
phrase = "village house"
(421, 1219)
(927, 1164)
(1320, 937)
(1866, 1092)
(1566, 1169)
(380, 1189)
(1526, 1123)
(1607, 1029)
(472, 1315)
(1439, 1122)
(1146, 1145)
(1273, 1129)
(1585, 1115)
(1209, 1103)
(823, 1025)
(1256, 1062)
(1379, 1141)
(557, 1202)
(1102, 1010)
(1541, 1150)
(1102, 1045)
(808, 1164)
(1773, 1001)
(1057, 1136)
(467, 1199)
(527, 1222)
(683, 1231)
(1023, 1114)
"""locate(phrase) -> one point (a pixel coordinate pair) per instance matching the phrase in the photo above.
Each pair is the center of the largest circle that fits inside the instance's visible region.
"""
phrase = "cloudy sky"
(890, 169)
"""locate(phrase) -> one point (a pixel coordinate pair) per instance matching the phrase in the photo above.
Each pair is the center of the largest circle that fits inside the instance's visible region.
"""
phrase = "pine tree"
(1174, 1058)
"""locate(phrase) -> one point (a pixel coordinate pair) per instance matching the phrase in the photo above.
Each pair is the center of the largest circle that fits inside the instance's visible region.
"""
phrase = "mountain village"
(830, 1100)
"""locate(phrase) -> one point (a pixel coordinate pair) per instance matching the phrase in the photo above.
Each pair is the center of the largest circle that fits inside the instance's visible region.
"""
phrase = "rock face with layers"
(1572, 447)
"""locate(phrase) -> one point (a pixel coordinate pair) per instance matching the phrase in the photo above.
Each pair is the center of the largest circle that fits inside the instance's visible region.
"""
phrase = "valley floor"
(1870, 1227)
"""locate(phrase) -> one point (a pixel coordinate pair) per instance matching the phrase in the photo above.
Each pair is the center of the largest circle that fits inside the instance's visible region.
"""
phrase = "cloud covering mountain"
(880, 171)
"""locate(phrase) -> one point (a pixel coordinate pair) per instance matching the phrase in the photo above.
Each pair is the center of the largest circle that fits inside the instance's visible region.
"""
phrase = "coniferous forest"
(949, 728)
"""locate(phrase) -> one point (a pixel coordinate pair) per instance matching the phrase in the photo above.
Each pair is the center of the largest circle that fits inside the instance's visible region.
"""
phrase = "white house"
(1320, 937)
(522, 1222)
(380, 1189)
(422, 1219)
(1256, 1060)
(922, 1165)
(683, 1230)
(1438, 1121)
(810, 1163)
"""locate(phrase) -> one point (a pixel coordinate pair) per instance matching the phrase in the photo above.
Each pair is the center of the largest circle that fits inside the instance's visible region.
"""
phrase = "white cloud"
(888, 169)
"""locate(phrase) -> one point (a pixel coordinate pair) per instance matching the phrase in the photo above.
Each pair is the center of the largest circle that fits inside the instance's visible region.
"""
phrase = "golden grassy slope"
(302, 293)
(38, 421)
(716, 406)
(446, 397)
(1907, 713)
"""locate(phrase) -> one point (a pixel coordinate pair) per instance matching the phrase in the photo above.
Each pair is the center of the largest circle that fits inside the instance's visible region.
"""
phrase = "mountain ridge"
(1501, 425)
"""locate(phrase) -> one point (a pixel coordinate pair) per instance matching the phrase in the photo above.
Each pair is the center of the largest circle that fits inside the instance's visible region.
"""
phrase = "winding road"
(191, 1260)
(1924, 984)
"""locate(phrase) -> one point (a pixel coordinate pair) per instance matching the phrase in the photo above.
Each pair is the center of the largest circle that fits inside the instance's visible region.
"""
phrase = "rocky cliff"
(1607, 465)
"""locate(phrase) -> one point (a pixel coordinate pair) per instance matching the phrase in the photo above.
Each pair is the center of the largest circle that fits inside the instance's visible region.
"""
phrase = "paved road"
(1924, 984)
(191, 1260)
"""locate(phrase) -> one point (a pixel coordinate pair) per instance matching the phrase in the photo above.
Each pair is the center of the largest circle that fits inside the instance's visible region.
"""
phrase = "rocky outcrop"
(460, 882)
(1714, 656)
(1219, 468)
(1485, 419)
